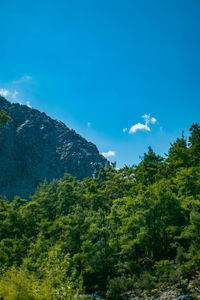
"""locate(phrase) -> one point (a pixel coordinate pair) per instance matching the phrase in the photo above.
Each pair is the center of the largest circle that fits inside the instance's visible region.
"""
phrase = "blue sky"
(123, 74)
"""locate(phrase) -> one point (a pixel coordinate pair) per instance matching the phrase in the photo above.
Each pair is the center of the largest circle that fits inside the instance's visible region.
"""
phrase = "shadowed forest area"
(132, 229)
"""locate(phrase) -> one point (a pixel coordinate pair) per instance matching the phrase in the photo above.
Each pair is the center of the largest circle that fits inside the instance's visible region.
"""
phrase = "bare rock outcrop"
(34, 147)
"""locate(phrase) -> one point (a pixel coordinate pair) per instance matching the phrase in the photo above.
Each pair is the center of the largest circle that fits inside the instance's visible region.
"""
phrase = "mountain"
(34, 147)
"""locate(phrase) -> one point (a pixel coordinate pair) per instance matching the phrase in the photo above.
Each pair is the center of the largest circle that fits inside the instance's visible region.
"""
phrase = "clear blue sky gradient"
(106, 62)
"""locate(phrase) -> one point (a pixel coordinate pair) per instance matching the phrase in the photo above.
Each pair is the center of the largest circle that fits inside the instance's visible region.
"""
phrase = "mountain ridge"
(35, 147)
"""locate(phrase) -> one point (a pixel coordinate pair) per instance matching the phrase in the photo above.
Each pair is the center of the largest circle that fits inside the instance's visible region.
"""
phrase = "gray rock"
(34, 147)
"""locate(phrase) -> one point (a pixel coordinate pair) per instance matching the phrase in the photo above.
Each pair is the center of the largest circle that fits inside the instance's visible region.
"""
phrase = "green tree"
(178, 155)
(149, 167)
(194, 144)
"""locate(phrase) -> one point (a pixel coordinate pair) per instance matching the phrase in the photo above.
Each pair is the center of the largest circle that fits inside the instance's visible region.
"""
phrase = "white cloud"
(139, 126)
(4, 92)
(124, 129)
(26, 77)
(109, 153)
(149, 119)
(146, 118)
(12, 88)
(89, 124)
(10, 95)
(28, 104)
(153, 120)
(14, 94)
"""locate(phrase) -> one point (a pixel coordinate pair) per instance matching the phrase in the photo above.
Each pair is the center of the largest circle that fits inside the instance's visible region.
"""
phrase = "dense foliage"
(127, 229)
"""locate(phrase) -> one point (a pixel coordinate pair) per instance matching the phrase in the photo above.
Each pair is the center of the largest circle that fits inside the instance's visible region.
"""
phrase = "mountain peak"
(34, 147)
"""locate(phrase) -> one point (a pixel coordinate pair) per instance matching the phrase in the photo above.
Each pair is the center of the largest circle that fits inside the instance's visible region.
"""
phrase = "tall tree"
(194, 144)
(147, 170)
(178, 154)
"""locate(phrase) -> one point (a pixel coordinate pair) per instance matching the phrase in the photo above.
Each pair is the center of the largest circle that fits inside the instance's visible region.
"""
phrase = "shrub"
(119, 285)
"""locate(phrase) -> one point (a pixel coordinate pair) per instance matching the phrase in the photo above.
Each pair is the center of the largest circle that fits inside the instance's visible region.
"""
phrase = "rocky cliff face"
(33, 147)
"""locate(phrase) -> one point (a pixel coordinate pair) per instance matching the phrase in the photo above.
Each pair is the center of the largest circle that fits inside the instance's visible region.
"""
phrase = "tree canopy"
(126, 229)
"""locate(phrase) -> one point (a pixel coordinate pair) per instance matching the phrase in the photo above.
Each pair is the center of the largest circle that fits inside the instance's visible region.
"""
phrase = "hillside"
(34, 147)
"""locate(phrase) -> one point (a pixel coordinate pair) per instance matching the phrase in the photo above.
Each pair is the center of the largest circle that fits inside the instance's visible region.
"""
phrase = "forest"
(131, 229)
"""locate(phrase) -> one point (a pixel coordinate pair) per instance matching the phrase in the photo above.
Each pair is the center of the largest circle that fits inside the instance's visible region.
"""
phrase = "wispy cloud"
(89, 124)
(26, 77)
(14, 94)
(4, 92)
(146, 126)
(21, 81)
(148, 119)
(11, 89)
(9, 94)
(109, 154)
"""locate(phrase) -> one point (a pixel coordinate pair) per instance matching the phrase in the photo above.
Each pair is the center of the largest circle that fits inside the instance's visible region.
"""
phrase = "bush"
(146, 281)
(19, 284)
(118, 286)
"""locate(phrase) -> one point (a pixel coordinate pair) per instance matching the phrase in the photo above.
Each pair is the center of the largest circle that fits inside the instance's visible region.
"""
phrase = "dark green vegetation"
(128, 229)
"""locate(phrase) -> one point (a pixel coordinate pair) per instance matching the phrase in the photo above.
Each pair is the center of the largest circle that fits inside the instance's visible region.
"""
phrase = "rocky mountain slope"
(34, 147)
